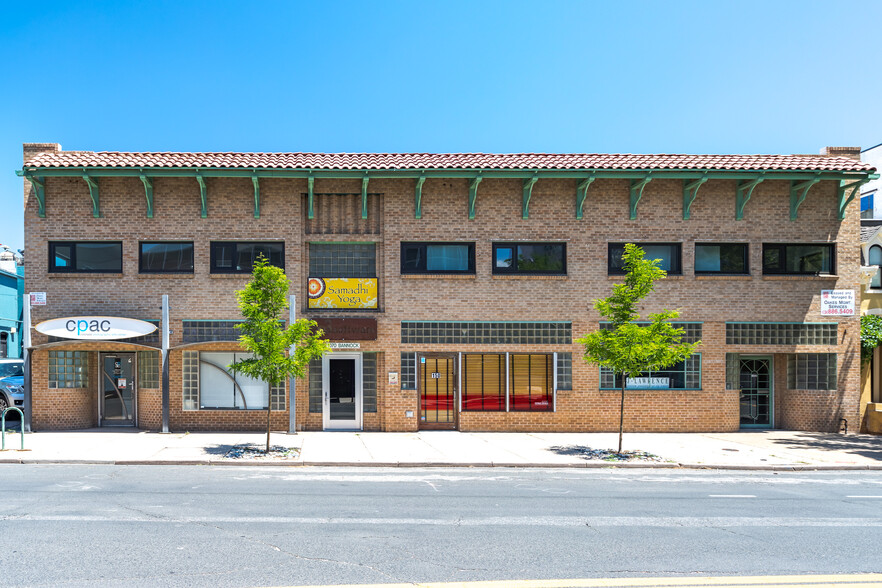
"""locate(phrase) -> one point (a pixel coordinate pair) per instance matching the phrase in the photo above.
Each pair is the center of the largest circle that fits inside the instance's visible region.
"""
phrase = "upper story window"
(342, 260)
(437, 258)
(529, 258)
(166, 257)
(85, 256)
(809, 259)
(670, 255)
(875, 258)
(721, 258)
(229, 257)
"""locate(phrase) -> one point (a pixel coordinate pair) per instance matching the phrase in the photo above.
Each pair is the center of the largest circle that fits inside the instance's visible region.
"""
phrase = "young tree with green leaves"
(262, 303)
(871, 335)
(629, 349)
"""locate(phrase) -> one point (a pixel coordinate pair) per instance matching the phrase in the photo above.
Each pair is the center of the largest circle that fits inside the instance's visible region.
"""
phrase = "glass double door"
(116, 402)
(755, 379)
(437, 386)
(342, 391)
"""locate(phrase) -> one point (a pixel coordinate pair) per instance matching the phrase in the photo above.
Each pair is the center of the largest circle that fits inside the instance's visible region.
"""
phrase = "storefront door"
(437, 384)
(342, 391)
(117, 390)
(756, 392)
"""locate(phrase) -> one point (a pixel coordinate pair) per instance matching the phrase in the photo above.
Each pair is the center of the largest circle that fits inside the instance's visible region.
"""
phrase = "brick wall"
(484, 296)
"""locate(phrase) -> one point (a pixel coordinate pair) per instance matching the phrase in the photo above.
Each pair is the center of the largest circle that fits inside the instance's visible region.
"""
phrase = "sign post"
(26, 356)
(165, 369)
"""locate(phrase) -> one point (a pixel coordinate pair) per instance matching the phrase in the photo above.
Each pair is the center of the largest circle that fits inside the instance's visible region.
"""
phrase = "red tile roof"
(446, 161)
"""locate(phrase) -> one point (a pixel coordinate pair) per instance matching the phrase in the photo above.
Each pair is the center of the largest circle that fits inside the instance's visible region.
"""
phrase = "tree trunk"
(269, 406)
(622, 414)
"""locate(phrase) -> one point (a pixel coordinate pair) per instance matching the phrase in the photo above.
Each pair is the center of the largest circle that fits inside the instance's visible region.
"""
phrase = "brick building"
(452, 285)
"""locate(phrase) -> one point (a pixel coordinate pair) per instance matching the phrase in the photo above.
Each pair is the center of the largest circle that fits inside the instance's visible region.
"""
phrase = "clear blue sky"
(479, 75)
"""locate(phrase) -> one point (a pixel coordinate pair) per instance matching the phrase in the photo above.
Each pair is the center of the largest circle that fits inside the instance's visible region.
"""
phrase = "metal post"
(26, 356)
(164, 353)
(292, 406)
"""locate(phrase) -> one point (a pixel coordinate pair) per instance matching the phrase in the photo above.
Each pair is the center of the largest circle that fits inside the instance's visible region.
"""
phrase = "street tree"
(278, 352)
(627, 348)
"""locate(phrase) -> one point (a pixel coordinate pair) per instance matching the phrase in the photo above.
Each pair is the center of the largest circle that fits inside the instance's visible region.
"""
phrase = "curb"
(441, 465)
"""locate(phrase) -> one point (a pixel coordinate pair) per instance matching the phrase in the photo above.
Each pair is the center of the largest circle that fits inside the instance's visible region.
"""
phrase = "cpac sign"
(95, 328)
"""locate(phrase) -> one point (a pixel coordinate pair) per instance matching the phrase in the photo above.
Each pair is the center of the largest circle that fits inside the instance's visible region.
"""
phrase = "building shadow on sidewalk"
(863, 445)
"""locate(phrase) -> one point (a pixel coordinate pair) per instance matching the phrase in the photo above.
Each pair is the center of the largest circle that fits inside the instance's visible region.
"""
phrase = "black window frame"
(746, 255)
(213, 257)
(72, 269)
(781, 269)
(141, 268)
(422, 245)
(615, 271)
(513, 270)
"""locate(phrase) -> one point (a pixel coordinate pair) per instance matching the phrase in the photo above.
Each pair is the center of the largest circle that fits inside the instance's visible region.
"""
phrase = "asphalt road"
(86, 525)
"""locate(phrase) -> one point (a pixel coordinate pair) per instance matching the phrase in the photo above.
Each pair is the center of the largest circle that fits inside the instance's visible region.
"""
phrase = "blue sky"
(480, 75)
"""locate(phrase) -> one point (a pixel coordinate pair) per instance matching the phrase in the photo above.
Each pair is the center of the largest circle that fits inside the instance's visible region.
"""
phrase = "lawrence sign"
(95, 328)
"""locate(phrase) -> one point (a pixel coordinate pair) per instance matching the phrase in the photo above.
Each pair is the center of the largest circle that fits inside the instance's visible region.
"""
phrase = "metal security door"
(117, 389)
(755, 376)
(437, 384)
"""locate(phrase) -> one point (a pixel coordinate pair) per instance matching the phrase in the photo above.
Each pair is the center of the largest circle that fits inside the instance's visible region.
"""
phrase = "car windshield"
(11, 369)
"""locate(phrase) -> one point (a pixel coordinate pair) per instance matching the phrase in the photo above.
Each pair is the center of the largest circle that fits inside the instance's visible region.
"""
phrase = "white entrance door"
(341, 391)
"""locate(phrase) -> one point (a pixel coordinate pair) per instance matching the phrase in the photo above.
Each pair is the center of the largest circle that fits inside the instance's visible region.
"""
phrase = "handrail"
(3, 427)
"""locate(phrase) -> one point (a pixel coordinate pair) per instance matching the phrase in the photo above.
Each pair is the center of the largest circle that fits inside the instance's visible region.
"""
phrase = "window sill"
(528, 277)
(621, 277)
(230, 276)
(799, 277)
(87, 275)
(644, 390)
(723, 277)
(438, 276)
(170, 275)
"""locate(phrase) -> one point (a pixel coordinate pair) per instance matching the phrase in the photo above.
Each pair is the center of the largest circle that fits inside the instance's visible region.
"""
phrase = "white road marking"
(858, 496)
(731, 495)
(548, 521)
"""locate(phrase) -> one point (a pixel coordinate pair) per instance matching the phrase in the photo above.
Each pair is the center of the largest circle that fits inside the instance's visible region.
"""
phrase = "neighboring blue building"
(11, 302)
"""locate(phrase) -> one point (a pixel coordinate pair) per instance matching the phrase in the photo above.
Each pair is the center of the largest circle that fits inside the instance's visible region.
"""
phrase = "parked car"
(11, 383)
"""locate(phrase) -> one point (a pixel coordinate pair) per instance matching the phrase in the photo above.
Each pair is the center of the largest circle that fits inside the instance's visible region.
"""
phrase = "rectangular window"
(530, 382)
(721, 258)
(68, 369)
(228, 257)
(221, 387)
(85, 257)
(669, 253)
(166, 257)
(190, 380)
(408, 371)
(565, 371)
(342, 260)
(530, 258)
(437, 258)
(684, 375)
(369, 382)
(811, 371)
(148, 369)
(810, 259)
(483, 379)
(315, 385)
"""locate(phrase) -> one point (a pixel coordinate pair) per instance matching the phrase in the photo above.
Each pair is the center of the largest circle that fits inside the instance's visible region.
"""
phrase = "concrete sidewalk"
(779, 450)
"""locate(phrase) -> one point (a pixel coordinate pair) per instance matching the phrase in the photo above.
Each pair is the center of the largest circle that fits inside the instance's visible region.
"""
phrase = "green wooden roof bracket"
(364, 186)
(256, 181)
(40, 193)
(203, 195)
(473, 195)
(418, 197)
(798, 193)
(690, 193)
(148, 194)
(743, 193)
(582, 193)
(841, 201)
(637, 187)
(528, 193)
(310, 196)
(93, 194)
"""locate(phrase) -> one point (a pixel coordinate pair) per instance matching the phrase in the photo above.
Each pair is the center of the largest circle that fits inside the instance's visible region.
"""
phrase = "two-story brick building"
(452, 285)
